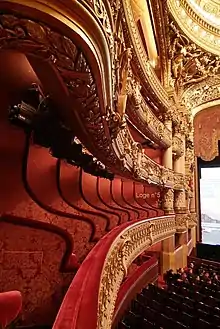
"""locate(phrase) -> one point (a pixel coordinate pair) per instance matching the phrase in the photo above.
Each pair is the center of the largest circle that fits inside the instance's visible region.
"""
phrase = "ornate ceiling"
(199, 20)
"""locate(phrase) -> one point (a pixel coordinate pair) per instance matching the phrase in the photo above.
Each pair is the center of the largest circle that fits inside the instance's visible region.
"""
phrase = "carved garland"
(127, 246)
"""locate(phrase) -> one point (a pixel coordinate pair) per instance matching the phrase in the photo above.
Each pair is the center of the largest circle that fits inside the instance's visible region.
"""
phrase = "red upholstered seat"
(10, 306)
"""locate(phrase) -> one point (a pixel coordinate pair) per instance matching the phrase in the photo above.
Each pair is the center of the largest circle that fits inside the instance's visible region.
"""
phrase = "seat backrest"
(10, 306)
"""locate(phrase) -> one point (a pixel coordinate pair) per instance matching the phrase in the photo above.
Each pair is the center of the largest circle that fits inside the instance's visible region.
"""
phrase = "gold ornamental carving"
(195, 22)
(177, 146)
(180, 201)
(179, 181)
(189, 63)
(192, 220)
(201, 93)
(144, 118)
(181, 221)
(168, 200)
(126, 247)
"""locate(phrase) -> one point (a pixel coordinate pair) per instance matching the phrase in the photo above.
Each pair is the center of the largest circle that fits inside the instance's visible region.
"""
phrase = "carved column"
(180, 202)
(167, 156)
(179, 163)
(168, 194)
(179, 167)
(168, 199)
(168, 254)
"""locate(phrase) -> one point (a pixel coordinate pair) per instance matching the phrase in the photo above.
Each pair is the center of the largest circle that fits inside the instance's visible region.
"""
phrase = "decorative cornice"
(127, 246)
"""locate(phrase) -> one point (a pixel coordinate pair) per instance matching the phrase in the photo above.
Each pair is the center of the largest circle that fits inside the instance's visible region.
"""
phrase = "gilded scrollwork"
(145, 71)
(126, 247)
(179, 181)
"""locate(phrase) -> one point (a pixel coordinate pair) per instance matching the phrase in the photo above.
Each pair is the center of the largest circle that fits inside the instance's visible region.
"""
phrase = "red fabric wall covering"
(58, 198)
(30, 261)
(128, 196)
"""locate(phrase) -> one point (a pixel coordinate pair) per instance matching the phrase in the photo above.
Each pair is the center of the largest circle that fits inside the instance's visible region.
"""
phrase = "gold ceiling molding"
(130, 243)
(196, 27)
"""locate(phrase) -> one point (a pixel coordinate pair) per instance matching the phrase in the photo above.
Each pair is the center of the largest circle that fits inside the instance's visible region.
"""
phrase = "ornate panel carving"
(201, 93)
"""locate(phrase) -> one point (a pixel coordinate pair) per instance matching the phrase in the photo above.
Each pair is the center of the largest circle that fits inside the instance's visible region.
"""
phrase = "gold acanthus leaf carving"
(177, 146)
(145, 118)
(126, 247)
